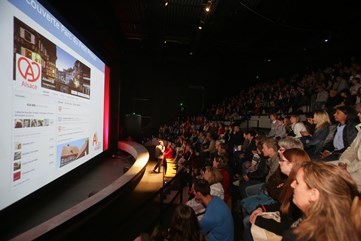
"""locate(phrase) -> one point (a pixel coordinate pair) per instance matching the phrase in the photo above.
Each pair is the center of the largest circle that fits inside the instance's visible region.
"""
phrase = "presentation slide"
(53, 95)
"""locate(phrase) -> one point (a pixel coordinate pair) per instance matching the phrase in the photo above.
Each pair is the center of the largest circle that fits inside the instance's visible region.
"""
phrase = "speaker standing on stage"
(159, 149)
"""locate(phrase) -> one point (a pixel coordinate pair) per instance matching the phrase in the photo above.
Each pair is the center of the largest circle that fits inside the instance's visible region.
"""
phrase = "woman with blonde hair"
(297, 125)
(313, 143)
(330, 202)
(214, 177)
(220, 163)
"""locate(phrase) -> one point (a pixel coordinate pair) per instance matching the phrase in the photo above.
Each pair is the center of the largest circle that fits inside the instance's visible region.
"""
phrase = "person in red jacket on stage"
(167, 154)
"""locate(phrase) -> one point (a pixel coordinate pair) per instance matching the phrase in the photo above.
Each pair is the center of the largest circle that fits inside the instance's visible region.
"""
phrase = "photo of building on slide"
(69, 152)
(60, 71)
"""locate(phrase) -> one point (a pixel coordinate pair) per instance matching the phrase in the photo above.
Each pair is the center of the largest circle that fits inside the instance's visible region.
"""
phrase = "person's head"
(320, 87)
(269, 147)
(259, 139)
(236, 128)
(209, 136)
(327, 194)
(161, 143)
(273, 116)
(201, 187)
(355, 80)
(222, 149)
(184, 224)
(319, 185)
(291, 159)
(321, 118)
(344, 113)
(289, 142)
(249, 134)
(212, 175)
(295, 118)
(290, 162)
(279, 121)
(287, 120)
(332, 93)
(345, 93)
(219, 162)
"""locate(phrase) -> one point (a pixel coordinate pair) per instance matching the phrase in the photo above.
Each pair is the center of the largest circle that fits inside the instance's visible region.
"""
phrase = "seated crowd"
(307, 173)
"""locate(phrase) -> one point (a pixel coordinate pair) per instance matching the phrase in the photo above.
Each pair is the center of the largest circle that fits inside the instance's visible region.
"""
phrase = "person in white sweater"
(297, 125)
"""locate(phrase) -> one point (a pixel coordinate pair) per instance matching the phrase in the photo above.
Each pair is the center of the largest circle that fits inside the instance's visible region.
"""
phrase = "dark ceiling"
(238, 37)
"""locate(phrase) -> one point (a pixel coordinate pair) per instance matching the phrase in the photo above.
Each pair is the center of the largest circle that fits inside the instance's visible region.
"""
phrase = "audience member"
(221, 165)
(214, 177)
(355, 85)
(351, 157)
(309, 123)
(333, 100)
(344, 134)
(255, 173)
(328, 197)
(184, 225)
(280, 130)
(321, 97)
(287, 124)
(273, 118)
(313, 143)
(269, 149)
(217, 222)
(209, 150)
(340, 84)
(297, 125)
(244, 156)
(346, 98)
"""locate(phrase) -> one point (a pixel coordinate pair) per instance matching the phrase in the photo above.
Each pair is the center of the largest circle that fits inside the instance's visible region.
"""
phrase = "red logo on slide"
(30, 71)
(95, 139)
(16, 176)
